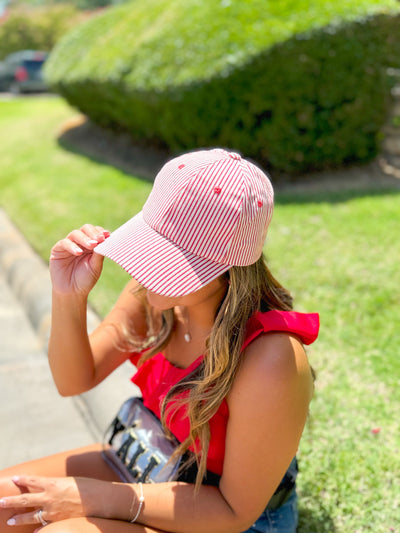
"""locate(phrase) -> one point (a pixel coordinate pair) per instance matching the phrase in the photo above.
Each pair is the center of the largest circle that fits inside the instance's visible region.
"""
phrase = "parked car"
(22, 72)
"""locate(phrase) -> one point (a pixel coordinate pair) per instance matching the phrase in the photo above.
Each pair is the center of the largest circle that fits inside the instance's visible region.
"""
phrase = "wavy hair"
(250, 289)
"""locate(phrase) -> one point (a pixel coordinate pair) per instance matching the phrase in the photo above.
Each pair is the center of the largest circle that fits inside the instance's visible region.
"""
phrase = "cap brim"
(156, 262)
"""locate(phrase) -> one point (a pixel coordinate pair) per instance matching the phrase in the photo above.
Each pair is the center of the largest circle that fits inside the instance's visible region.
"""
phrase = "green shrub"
(293, 85)
(35, 28)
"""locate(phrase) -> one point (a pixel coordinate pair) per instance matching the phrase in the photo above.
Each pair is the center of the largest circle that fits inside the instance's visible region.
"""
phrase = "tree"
(36, 28)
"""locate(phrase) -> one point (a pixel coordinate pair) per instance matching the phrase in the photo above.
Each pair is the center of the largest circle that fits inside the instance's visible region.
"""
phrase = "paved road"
(34, 419)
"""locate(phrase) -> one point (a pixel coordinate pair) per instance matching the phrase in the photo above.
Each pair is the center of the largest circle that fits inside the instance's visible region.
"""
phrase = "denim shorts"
(281, 520)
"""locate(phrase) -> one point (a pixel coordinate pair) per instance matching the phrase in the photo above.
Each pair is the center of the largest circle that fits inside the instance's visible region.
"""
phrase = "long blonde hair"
(250, 288)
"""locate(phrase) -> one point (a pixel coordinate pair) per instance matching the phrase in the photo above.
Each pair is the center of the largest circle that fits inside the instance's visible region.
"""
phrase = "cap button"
(234, 155)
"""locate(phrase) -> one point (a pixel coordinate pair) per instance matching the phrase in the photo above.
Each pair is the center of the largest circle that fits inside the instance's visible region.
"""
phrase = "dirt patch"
(119, 150)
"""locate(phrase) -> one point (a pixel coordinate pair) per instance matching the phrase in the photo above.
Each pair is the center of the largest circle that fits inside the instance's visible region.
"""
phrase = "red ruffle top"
(157, 375)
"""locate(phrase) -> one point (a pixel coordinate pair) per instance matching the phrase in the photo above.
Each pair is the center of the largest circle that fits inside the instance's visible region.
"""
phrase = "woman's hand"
(74, 267)
(57, 498)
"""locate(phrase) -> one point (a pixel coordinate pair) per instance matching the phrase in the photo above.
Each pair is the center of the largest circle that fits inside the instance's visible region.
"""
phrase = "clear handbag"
(137, 448)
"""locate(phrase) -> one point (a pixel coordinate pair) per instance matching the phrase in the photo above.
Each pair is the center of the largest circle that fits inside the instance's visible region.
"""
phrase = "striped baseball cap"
(208, 210)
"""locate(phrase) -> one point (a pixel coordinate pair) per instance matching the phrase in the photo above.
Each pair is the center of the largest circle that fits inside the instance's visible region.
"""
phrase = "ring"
(41, 519)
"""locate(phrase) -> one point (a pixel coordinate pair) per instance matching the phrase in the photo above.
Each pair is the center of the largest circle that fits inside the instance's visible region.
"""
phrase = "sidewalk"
(34, 419)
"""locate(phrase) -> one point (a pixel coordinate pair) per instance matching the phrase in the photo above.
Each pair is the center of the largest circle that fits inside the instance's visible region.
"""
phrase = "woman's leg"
(85, 462)
(95, 525)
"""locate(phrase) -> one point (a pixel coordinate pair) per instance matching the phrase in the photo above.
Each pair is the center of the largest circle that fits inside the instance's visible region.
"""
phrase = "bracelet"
(141, 502)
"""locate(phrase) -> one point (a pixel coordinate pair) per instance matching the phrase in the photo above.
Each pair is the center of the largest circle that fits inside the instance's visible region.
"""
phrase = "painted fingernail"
(11, 522)
(106, 233)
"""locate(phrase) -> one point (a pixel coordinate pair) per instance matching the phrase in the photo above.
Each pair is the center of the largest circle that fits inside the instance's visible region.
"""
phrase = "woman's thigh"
(83, 462)
(96, 525)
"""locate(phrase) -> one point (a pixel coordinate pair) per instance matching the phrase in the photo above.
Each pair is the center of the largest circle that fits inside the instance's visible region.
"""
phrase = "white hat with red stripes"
(208, 210)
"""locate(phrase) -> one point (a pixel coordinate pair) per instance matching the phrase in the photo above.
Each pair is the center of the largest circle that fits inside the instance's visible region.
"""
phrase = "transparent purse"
(137, 448)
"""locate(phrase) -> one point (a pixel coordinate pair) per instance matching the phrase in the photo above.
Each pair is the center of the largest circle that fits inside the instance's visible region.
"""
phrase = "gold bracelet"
(141, 502)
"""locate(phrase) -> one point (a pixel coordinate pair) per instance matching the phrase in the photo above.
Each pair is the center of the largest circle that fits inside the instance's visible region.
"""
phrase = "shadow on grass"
(376, 178)
(311, 523)
(304, 196)
(316, 520)
(80, 136)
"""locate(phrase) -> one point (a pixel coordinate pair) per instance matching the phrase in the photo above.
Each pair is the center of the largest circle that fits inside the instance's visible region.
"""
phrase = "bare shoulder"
(127, 314)
(129, 307)
(279, 353)
(274, 364)
(130, 295)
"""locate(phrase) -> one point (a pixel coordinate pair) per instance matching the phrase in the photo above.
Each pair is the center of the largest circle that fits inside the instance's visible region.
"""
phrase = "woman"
(220, 361)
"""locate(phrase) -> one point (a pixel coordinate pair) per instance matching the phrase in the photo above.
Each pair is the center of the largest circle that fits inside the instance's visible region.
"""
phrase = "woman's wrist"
(137, 505)
(70, 295)
(117, 501)
(73, 303)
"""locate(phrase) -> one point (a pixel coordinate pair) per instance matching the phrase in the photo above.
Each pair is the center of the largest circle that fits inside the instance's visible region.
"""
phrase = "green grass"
(338, 253)
(341, 258)
(48, 191)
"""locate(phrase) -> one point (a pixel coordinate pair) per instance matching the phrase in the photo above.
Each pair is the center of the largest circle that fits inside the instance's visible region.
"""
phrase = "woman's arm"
(268, 408)
(77, 362)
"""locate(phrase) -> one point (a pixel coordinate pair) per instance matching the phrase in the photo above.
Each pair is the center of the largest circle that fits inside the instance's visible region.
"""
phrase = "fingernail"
(3, 502)
(15, 478)
(11, 522)
(92, 241)
(106, 233)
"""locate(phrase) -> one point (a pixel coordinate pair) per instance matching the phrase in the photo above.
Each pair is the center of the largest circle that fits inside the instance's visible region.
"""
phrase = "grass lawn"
(338, 253)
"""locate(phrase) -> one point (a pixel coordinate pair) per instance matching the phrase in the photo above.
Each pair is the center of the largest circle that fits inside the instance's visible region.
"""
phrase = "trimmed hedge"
(294, 86)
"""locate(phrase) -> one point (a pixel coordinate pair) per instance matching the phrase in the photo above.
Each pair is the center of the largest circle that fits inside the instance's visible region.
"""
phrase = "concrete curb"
(28, 277)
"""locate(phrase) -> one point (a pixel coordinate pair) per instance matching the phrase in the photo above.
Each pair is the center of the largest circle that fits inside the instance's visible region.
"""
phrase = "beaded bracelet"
(141, 502)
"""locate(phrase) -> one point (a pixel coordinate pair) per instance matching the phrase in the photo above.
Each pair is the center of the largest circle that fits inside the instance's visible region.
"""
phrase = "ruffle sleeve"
(304, 325)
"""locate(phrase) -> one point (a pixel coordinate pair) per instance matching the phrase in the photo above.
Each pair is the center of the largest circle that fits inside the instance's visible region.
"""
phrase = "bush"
(294, 86)
(35, 28)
